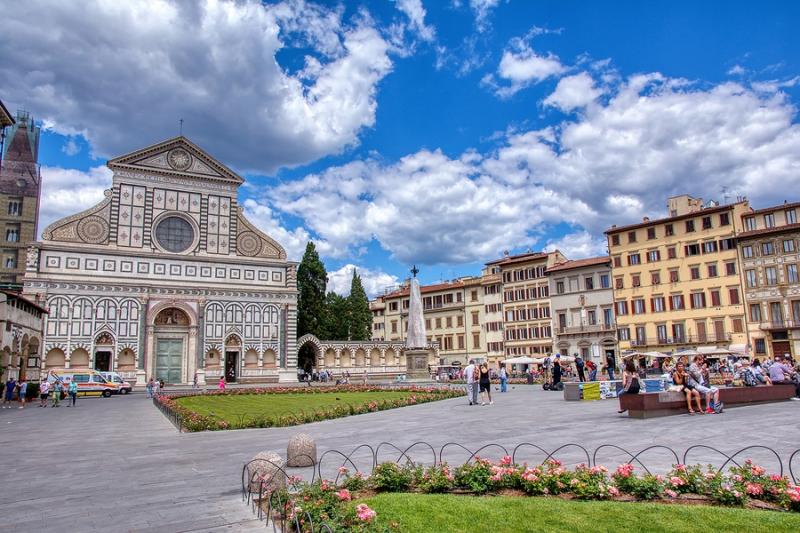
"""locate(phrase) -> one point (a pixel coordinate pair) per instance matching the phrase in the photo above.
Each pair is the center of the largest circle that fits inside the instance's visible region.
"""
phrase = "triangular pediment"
(176, 156)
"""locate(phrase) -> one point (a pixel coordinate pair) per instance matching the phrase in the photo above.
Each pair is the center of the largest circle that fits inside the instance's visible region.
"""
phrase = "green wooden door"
(169, 360)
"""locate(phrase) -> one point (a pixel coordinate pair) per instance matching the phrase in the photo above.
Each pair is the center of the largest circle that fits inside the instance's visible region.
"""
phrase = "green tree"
(337, 317)
(311, 282)
(359, 314)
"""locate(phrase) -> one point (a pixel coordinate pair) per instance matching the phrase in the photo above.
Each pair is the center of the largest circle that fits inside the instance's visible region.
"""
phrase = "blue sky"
(437, 133)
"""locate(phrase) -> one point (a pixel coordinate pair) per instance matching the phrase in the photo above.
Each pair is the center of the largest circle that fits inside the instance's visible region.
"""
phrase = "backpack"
(749, 378)
(579, 362)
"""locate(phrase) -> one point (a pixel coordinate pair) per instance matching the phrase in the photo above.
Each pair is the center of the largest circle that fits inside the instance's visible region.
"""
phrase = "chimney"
(645, 219)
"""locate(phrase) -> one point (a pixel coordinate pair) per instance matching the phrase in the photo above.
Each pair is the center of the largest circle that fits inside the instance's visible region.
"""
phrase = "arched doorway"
(103, 351)
(308, 351)
(233, 353)
(171, 338)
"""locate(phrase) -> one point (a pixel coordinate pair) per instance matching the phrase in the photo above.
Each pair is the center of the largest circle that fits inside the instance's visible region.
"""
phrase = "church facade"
(166, 278)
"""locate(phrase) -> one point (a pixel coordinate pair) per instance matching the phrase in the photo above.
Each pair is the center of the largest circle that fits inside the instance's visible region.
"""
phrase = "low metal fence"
(271, 506)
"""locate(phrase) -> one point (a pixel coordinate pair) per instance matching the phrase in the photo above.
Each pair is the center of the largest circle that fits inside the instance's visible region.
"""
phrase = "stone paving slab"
(119, 464)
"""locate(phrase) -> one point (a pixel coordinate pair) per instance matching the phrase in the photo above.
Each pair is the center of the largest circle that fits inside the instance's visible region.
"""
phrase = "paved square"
(118, 464)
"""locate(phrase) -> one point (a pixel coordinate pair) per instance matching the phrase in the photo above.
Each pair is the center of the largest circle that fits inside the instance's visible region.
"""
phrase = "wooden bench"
(654, 404)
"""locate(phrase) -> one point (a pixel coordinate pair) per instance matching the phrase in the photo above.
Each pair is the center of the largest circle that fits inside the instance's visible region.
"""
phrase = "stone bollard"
(301, 451)
(267, 467)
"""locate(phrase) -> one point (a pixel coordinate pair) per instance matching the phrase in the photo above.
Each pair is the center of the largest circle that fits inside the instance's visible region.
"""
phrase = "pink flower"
(614, 491)
(624, 470)
(757, 470)
(737, 478)
(325, 485)
(680, 467)
(364, 512)
(671, 493)
(505, 461)
(675, 481)
(775, 477)
(344, 495)
(343, 470)
(754, 489)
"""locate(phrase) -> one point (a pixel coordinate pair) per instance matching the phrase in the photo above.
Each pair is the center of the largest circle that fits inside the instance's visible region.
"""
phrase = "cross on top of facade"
(414, 271)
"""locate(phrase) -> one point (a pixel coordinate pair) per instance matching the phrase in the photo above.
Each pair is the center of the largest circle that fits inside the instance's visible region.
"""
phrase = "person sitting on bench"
(782, 373)
(682, 379)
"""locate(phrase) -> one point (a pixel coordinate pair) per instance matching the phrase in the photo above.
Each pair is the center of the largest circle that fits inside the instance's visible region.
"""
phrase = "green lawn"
(232, 407)
(420, 513)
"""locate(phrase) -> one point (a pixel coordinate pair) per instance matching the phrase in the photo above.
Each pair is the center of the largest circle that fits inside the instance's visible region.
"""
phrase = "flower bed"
(190, 420)
(334, 502)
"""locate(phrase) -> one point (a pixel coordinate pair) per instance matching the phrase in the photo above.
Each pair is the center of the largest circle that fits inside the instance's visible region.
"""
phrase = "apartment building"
(526, 301)
(493, 314)
(453, 313)
(769, 257)
(676, 280)
(582, 302)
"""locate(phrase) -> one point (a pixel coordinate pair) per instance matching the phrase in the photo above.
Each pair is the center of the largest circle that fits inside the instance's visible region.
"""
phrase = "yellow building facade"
(677, 280)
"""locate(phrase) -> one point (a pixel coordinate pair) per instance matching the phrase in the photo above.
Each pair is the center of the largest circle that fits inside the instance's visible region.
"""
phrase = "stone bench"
(654, 404)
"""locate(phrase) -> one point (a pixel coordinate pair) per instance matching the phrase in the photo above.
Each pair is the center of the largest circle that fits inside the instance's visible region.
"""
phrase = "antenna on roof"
(180, 127)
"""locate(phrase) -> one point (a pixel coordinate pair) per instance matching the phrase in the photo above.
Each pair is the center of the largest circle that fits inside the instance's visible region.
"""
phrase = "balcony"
(586, 328)
(678, 341)
(779, 324)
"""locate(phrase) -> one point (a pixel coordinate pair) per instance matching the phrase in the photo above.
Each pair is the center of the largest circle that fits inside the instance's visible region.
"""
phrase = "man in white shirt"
(472, 386)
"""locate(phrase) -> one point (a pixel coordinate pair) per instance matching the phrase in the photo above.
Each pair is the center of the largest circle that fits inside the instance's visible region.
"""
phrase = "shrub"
(684, 479)
(390, 477)
(591, 483)
(727, 491)
(475, 476)
(437, 479)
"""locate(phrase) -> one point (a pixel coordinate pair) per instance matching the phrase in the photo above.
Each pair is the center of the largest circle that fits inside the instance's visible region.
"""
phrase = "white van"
(114, 377)
(90, 382)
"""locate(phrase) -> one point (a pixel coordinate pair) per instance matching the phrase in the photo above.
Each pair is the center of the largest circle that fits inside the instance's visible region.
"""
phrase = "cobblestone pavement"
(117, 464)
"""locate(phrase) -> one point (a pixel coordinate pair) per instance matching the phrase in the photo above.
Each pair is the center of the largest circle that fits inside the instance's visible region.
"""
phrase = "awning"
(739, 349)
(522, 360)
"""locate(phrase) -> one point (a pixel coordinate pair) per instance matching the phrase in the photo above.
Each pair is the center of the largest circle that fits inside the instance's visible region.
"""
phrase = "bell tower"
(20, 187)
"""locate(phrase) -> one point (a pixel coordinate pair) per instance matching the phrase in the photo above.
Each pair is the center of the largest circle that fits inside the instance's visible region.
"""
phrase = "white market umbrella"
(521, 360)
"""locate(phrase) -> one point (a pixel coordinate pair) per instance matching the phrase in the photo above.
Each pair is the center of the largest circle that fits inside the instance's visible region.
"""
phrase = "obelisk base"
(417, 364)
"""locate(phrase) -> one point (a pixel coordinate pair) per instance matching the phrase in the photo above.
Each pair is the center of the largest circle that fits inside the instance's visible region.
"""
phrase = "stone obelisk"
(416, 349)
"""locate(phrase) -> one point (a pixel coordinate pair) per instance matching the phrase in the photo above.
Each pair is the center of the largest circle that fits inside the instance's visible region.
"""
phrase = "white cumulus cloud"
(579, 245)
(650, 138)
(375, 282)
(69, 191)
(573, 92)
(521, 66)
(125, 72)
(415, 12)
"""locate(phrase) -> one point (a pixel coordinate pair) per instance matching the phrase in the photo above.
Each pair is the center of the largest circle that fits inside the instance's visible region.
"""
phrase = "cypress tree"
(359, 314)
(337, 317)
(311, 282)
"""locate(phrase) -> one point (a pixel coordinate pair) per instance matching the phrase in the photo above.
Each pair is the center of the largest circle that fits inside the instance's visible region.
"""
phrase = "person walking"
(44, 393)
(194, 382)
(579, 364)
(150, 386)
(73, 393)
(56, 394)
(23, 392)
(221, 385)
(11, 386)
(469, 375)
(610, 365)
(503, 378)
(485, 384)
